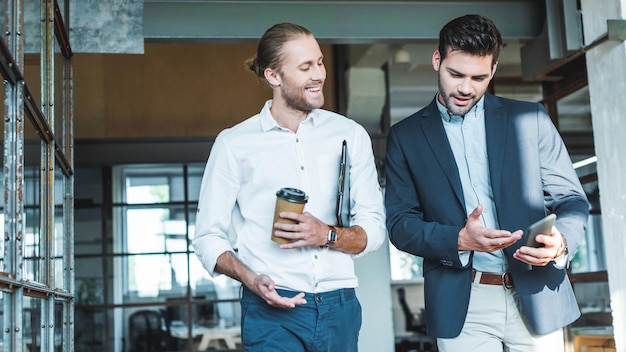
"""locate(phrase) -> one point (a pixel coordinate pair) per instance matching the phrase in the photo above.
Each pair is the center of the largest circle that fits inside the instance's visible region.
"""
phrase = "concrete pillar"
(606, 65)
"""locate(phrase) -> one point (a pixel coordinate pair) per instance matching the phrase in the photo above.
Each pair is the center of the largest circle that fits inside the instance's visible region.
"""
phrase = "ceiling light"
(402, 56)
(585, 162)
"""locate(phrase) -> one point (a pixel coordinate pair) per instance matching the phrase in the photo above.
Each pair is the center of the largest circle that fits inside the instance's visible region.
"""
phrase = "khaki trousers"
(494, 324)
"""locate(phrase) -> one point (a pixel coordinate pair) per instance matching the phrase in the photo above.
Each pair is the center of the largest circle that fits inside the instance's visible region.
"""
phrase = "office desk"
(407, 342)
(230, 336)
(589, 339)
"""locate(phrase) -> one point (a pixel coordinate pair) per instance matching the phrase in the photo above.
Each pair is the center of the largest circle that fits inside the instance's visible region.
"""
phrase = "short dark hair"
(473, 34)
(270, 45)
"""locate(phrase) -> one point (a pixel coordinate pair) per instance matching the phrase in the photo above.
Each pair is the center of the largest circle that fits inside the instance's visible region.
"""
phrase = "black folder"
(343, 193)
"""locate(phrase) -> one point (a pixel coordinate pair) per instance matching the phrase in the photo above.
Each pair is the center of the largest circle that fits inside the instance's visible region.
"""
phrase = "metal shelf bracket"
(616, 30)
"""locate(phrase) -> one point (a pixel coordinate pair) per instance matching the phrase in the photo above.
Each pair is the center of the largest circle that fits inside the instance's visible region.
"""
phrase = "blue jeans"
(328, 322)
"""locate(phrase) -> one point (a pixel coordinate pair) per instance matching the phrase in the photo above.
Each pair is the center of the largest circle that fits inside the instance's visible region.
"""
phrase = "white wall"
(606, 67)
(374, 293)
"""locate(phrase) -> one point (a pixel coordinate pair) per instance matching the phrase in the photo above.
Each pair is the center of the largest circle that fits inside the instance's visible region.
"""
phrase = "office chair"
(147, 332)
(412, 321)
(205, 314)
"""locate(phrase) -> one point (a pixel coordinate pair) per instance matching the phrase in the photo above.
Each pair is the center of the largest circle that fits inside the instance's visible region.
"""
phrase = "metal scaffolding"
(37, 263)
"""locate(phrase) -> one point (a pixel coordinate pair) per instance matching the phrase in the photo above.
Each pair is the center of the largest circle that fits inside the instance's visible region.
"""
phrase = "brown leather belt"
(505, 279)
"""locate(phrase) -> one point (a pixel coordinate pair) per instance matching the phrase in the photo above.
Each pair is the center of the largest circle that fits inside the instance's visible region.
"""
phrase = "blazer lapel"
(495, 131)
(437, 139)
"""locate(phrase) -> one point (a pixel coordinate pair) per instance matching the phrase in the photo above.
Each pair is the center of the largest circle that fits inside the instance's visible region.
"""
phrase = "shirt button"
(315, 256)
(301, 167)
(297, 140)
(475, 184)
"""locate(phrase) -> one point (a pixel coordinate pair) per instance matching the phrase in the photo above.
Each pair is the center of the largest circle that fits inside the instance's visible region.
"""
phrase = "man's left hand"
(308, 231)
(554, 246)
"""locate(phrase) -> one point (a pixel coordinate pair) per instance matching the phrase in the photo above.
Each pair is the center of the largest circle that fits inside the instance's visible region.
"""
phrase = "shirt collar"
(447, 116)
(268, 122)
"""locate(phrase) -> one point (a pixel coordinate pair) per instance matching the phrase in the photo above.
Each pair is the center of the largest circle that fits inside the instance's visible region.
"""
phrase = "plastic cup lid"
(293, 195)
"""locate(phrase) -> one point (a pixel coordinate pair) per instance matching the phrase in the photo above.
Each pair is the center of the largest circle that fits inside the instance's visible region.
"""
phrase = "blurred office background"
(111, 108)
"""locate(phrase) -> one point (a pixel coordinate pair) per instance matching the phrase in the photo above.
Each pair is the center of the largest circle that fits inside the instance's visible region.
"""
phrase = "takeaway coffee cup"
(287, 199)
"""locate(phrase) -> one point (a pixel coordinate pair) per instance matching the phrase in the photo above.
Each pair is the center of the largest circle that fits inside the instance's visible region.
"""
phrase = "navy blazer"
(530, 171)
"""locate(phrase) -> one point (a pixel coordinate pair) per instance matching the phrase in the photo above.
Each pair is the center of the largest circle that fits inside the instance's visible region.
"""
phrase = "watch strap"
(332, 236)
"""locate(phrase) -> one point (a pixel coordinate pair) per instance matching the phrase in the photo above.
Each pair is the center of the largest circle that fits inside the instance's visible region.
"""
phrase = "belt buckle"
(504, 281)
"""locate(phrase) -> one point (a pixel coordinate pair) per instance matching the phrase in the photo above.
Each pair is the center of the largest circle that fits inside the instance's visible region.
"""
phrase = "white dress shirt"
(251, 161)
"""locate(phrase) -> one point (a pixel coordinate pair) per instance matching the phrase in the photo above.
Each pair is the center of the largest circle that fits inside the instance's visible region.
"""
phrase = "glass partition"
(134, 225)
(33, 251)
(59, 232)
(31, 318)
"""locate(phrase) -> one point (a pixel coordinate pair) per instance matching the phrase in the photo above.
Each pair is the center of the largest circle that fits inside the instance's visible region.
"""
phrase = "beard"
(296, 99)
(454, 109)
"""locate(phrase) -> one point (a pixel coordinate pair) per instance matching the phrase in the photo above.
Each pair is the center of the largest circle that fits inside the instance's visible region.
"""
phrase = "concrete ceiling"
(413, 82)
(402, 34)
(341, 22)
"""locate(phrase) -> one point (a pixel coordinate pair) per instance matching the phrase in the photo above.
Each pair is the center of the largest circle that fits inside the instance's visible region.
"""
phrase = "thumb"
(475, 215)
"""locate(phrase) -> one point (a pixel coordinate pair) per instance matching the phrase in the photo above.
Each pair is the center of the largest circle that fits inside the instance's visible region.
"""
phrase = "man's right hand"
(265, 288)
(476, 237)
(261, 284)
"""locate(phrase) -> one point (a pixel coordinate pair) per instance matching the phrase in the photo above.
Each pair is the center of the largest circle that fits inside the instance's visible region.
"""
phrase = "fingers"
(500, 239)
(500, 243)
(474, 236)
(554, 239)
(539, 256)
(533, 256)
(301, 222)
(298, 217)
(542, 256)
(276, 300)
(307, 231)
(264, 286)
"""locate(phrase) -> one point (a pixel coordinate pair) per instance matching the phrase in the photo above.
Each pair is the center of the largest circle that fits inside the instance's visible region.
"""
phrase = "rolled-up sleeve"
(366, 198)
(218, 194)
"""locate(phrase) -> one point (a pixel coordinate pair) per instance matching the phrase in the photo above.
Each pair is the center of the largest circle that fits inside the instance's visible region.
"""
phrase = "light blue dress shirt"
(467, 138)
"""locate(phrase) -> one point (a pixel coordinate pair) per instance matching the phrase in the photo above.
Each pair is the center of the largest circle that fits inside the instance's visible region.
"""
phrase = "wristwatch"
(332, 236)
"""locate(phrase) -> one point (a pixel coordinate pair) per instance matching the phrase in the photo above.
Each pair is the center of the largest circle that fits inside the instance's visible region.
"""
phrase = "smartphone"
(543, 226)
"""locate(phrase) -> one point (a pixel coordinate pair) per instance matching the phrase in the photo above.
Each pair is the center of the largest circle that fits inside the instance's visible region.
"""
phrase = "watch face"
(332, 236)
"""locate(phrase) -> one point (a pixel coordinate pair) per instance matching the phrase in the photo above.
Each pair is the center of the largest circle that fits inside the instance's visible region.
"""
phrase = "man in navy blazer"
(465, 177)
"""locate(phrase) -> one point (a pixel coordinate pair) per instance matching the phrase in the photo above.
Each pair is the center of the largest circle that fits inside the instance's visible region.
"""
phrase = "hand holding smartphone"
(543, 226)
